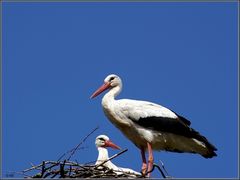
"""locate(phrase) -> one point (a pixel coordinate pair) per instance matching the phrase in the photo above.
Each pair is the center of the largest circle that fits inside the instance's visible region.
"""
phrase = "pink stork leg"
(144, 164)
(150, 158)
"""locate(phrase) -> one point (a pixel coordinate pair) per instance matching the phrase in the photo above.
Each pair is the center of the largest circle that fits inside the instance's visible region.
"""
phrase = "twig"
(62, 173)
(161, 171)
(54, 175)
(70, 170)
(33, 167)
(82, 142)
(43, 168)
(111, 158)
(31, 164)
(72, 151)
(158, 167)
(164, 169)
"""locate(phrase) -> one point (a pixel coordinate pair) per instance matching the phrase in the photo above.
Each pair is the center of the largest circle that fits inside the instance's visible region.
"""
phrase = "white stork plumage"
(151, 126)
(102, 142)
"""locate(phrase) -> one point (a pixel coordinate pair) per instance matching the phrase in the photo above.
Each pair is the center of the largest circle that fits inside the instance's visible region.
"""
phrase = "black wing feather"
(164, 124)
(179, 126)
(183, 119)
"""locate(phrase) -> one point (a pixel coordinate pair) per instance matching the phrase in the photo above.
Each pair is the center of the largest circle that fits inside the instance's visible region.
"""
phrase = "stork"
(102, 142)
(151, 126)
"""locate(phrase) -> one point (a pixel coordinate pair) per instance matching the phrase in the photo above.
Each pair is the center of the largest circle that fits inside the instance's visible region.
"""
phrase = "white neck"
(103, 156)
(110, 95)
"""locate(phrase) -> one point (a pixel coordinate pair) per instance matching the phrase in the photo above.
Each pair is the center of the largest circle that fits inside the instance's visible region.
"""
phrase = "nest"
(69, 169)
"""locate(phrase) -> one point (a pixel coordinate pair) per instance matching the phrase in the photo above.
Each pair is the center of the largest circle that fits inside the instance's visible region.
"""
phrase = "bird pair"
(151, 126)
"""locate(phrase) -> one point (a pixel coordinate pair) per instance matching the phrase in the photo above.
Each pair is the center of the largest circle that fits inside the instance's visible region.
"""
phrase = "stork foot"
(144, 169)
(150, 166)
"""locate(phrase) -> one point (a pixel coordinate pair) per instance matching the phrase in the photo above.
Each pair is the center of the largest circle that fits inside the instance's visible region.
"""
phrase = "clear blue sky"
(180, 55)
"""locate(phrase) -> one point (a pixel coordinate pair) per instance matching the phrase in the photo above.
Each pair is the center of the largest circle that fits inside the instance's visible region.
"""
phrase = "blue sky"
(180, 55)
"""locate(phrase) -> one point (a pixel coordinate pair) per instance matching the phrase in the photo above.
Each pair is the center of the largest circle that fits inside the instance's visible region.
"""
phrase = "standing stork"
(151, 126)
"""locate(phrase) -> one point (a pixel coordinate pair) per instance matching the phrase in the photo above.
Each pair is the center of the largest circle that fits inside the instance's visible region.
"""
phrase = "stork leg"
(150, 158)
(144, 164)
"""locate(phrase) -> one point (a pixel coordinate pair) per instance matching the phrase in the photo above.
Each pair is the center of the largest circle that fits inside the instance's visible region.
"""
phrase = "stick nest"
(70, 169)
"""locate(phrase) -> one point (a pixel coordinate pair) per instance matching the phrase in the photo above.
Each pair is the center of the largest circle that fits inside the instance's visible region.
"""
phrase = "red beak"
(104, 87)
(111, 144)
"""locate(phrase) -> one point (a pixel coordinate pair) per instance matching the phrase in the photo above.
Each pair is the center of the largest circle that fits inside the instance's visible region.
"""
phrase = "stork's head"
(110, 81)
(104, 141)
(113, 80)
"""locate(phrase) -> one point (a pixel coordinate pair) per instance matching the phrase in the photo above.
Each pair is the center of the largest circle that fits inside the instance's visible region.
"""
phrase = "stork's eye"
(101, 139)
(112, 78)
